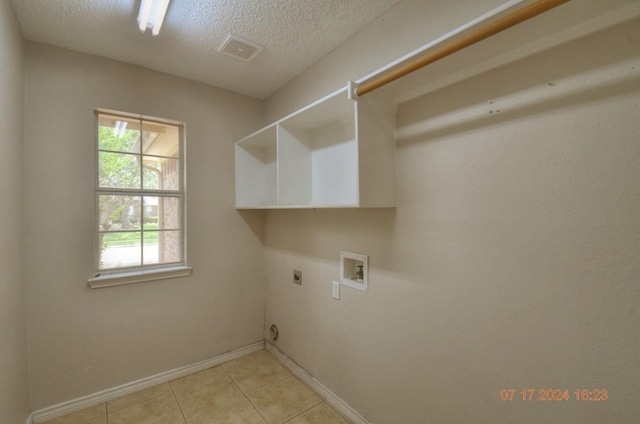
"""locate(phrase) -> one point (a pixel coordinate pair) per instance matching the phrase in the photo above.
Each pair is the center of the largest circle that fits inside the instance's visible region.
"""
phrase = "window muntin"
(140, 193)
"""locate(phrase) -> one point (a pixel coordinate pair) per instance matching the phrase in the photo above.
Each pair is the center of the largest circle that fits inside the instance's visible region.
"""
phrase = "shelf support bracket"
(352, 90)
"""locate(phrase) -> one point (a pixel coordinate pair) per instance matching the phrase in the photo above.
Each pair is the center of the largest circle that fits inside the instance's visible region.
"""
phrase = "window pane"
(161, 173)
(118, 134)
(152, 174)
(160, 139)
(139, 194)
(119, 213)
(161, 213)
(120, 249)
(119, 170)
(161, 247)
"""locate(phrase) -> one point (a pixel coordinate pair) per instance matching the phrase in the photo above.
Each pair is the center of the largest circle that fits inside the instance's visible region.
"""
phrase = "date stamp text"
(554, 395)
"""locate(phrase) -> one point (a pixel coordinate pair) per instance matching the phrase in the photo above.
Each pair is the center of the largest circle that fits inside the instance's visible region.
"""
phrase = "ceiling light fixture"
(119, 128)
(151, 15)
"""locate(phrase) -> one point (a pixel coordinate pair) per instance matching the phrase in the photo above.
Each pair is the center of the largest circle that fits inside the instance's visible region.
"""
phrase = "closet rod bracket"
(352, 90)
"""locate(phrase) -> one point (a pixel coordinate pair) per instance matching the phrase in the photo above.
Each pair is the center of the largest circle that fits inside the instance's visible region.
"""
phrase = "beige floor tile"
(232, 413)
(321, 414)
(98, 420)
(256, 370)
(284, 400)
(215, 395)
(210, 377)
(160, 410)
(205, 402)
(97, 411)
(124, 401)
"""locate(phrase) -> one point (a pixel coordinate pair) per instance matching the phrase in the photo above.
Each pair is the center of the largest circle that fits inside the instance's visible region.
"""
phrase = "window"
(140, 198)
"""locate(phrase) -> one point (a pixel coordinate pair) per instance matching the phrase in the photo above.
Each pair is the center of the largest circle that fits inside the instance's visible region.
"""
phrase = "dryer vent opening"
(273, 333)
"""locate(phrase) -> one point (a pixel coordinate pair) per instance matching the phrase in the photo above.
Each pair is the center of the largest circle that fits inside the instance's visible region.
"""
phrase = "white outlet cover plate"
(335, 291)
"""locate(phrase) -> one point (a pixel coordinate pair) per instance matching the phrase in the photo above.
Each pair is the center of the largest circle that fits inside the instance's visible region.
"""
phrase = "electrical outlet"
(335, 292)
(297, 277)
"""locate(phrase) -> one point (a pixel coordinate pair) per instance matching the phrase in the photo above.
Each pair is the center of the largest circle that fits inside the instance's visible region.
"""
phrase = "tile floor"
(253, 389)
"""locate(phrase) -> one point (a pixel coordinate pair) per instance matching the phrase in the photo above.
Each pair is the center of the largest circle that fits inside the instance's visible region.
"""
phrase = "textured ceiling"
(294, 33)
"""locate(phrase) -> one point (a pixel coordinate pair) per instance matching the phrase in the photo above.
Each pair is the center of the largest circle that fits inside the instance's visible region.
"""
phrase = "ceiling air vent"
(239, 48)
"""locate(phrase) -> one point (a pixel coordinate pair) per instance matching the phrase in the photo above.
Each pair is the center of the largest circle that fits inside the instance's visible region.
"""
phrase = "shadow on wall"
(323, 233)
(600, 66)
(255, 222)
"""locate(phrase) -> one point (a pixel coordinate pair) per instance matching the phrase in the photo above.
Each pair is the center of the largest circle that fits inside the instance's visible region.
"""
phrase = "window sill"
(119, 279)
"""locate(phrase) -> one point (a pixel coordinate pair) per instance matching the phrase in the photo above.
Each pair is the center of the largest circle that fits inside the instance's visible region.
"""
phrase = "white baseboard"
(135, 386)
(330, 397)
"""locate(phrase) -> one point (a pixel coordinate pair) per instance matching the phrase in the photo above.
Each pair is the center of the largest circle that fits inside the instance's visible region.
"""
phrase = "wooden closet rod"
(505, 22)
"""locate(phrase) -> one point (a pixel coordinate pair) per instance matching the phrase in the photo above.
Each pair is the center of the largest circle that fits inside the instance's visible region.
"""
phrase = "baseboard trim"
(75, 405)
(330, 397)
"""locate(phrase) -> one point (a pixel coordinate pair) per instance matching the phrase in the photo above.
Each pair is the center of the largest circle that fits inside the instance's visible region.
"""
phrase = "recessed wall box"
(354, 270)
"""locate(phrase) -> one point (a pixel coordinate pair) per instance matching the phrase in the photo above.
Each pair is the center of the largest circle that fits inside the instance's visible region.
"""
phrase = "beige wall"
(511, 261)
(13, 355)
(82, 340)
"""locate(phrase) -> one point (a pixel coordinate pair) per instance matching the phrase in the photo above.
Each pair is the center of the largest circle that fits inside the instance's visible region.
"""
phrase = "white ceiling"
(294, 33)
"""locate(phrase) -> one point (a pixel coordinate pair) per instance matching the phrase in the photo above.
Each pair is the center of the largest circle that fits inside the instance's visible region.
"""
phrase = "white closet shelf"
(335, 153)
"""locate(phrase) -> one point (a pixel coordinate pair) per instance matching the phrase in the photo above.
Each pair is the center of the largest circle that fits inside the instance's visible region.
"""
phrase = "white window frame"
(142, 273)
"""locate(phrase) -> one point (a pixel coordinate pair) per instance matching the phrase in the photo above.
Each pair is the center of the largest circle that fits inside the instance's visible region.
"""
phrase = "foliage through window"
(140, 193)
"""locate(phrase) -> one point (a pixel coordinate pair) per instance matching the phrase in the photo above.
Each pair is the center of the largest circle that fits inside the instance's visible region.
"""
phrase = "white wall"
(81, 340)
(512, 259)
(13, 356)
